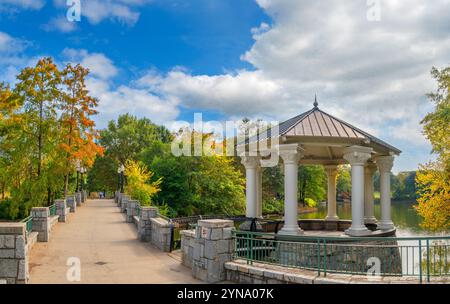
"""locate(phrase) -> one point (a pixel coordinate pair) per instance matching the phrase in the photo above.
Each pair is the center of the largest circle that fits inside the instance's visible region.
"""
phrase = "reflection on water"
(404, 216)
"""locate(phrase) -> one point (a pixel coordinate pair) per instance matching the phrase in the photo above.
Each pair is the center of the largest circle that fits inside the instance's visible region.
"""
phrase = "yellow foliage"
(139, 184)
(433, 183)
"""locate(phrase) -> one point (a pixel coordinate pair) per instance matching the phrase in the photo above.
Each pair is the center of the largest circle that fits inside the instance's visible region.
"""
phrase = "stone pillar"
(357, 157)
(131, 210)
(213, 247)
(259, 211)
(41, 223)
(187, 247)
(331, 192)
(385, 164)
(13, 253)
(71, 202)
(250, 163)
(290, 155)
(145, 224)
(62, 210)
(369, 215)
(124, 203)
(78, 198)
(161, 233)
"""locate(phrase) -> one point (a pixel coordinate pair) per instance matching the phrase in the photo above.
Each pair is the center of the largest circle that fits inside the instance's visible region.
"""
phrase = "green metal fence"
(52, 209)
(28, 223)
(138, 210)
(423, 257)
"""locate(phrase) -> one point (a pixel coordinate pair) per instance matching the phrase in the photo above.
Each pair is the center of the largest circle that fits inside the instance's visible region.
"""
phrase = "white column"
(250, 163)
(290, 155)
(357, 157)
(385, 164)
(369, 216)
(331, 193)
(259, 192)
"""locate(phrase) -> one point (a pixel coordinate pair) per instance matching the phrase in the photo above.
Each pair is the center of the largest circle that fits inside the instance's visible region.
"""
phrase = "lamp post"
(82, 171)
(78, 165)
(120, 170)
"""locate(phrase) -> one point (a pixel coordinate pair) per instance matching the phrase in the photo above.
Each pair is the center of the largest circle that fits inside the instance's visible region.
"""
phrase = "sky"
(368, 61)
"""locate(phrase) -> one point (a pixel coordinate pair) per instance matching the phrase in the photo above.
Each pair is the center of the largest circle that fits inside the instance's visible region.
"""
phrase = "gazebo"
(316, 137)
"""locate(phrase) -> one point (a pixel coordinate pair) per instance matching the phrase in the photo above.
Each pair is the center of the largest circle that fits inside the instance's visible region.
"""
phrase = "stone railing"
(17, 239)
(208, 249)
(13, 253)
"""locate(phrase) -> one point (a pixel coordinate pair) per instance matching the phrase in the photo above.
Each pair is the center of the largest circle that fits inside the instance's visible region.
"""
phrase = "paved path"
(107, 248)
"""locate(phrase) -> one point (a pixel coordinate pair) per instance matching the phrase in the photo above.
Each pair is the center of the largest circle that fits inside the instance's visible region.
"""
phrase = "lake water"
(404, 216)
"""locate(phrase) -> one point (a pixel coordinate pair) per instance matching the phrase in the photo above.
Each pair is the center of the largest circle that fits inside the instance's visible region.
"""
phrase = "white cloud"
(61, 24)
(23, 4)
(114, 100)
(98, 64)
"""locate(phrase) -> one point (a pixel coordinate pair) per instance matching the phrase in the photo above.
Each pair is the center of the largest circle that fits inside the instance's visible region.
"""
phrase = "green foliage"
(125, 139)
(103, 175)
(344, 181)
(311, 183)
(433, 179)
(35, 152)
(199, 185)
(271, 205)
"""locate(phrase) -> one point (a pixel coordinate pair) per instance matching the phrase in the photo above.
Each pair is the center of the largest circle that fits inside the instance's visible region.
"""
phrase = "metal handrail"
(422, 257)
(28, 223)
(52, 209)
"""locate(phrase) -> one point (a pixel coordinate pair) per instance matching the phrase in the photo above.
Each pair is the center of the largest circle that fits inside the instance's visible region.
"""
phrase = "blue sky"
(166, 59)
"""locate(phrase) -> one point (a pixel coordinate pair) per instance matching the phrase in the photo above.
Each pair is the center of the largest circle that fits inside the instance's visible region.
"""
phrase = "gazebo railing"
(421, 257)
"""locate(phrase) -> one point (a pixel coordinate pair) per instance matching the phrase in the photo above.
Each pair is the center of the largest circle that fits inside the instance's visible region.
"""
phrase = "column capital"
(357, 155)
(290, 153)
(331, 170)
(370, 169)
(250, 162)
(385, 163)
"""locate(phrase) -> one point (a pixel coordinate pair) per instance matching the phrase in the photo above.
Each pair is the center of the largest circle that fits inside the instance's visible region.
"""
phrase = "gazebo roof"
(318, 127)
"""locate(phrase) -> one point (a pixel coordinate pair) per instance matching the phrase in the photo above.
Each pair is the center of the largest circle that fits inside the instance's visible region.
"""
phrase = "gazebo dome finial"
(316, 104)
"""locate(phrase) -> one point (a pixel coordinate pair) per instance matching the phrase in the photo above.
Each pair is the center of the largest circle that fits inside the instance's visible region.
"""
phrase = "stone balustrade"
(62, 210)
(124, 203)
(71, 202)
(78, 198)
(13, 253)
(207, 251)
(145, 223)
(161, 233)
(131, 210)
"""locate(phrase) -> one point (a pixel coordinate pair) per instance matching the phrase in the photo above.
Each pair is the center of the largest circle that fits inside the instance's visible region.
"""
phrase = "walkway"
(108, 249)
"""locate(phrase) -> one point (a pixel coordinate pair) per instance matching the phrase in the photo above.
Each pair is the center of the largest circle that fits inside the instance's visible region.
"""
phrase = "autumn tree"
(433, 179)
(78, 129)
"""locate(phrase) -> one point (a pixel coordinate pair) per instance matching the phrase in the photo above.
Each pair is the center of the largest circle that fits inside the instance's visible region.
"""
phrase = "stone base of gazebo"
(320, 227)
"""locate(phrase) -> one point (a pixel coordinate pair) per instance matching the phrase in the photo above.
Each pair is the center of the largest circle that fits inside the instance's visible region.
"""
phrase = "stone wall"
(160, 233)
(78, 198)
(187, 247)
(145, 223)
(131, 210)
(62, 210)
(124, 203)
(71, 202)
(13, 253)
(212, 247)
(41, 222)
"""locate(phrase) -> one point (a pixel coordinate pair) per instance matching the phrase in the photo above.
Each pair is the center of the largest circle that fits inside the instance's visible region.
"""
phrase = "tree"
(125, 139)
(344, 181)
(103, 175)
(139, 182)
(311, 184)
(433, 179)
(77, 128)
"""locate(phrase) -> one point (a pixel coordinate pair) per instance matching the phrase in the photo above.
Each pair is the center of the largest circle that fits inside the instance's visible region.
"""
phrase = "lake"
(404, 216)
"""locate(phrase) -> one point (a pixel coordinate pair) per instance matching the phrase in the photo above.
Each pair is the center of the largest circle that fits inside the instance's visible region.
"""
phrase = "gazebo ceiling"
(323, 137)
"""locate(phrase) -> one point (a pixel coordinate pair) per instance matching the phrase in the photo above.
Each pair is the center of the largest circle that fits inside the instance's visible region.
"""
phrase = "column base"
(359, 231)
(385, 225)
(370, 220)
(291, 231)
(332, 218)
